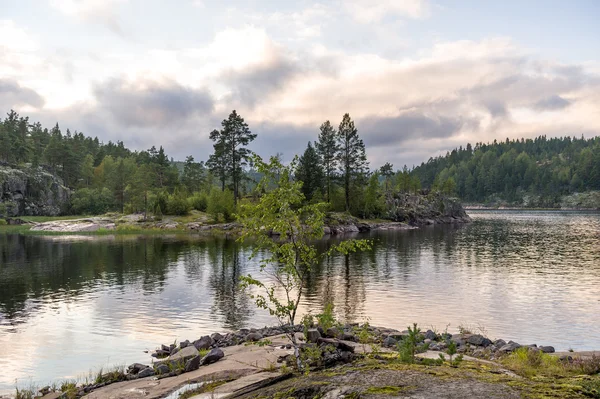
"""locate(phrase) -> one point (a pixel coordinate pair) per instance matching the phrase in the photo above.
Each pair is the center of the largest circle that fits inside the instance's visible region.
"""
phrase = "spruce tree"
(327, 149)
(351, 156)
(310, 172)
(218, 163)
(193, 174)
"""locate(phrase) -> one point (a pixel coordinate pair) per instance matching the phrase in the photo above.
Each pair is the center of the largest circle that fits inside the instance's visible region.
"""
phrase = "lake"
(72, 304)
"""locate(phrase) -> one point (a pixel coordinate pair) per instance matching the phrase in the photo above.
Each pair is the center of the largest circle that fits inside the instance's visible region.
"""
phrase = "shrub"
(198, 201)
(221, 204)
(177, 204)
(326, 319)
(160, 203)
(86, 201)
(3, 222)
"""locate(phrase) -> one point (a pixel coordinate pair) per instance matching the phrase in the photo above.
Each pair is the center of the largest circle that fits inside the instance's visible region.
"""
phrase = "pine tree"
(327, 149)
(310, 172)
(193, 174)
(231, 154)
(387, 171)
(351, 156)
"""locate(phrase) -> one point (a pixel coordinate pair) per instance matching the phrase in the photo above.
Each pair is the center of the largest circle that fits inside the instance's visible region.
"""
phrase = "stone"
(429, 334)
(427, 341)
(147, 372)
(182, 356)
(165, 348)
(162, 369)
(313, 335)
(333, 332)
(499, 343)
(347, 336)
(547, 349)
(184, 344)
(479, 340)
(204, 342)
(135, 368)
(253, 337)
(213, 356)
(216, 337)
(390, 342)
(192, 364)
(341, 345)
(510, 347)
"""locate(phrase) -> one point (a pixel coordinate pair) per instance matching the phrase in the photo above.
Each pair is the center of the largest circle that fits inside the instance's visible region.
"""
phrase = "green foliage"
(310, 173)
(198, 201)
(374, 203)
(3, 222)
(288, 260)
(530, 363)
(352, 159)
(177, 204)
(408, 346)
(24, 394)
(529, 172)
(326, 319)
(327, 150)
(221, 204)
(96, 201)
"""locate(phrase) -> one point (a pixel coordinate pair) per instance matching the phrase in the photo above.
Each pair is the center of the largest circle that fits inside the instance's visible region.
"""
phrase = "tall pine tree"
(327, 149)
(351, 157)
(310, 172)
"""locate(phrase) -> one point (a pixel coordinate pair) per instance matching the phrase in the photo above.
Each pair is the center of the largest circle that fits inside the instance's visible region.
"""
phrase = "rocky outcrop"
(76, 225)
(433, 208)
(31, 192)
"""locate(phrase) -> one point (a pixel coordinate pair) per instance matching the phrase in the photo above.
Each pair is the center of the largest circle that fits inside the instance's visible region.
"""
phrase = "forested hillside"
(524, 172)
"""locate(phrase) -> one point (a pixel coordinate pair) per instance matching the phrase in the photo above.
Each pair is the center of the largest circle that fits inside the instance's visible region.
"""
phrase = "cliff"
(433, 208)
(27, 191)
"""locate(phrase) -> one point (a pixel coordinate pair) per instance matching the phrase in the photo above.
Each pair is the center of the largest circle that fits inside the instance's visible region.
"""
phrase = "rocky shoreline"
(339, 344)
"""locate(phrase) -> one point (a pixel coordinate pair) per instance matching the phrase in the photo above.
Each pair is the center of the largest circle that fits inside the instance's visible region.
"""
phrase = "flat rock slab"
(76, 225)
(238, 385)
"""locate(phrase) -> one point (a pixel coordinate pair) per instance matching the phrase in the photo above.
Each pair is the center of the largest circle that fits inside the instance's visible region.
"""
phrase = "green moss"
(383, 390)
(208, 387)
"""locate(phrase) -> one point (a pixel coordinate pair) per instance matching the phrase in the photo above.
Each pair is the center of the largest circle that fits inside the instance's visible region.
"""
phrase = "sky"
(419, 77)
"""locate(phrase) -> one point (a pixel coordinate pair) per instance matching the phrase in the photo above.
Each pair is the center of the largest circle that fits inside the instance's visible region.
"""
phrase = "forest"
(527, 172)
(334, 169)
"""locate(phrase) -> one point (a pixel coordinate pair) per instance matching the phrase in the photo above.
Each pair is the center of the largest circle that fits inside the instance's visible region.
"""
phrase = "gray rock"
(253, 337)
(182, 356)
(135, 368)
(147, 372)
(192, 364)
(499, 343)
(429, 334)
(333, 332)
(390, 342)
(510, 347)
(427, 341)
(341, 345)
(162, 369)
(547, 349)
(204, 342)
(479, 340)
(165, 348)
(313, 335)
(348, 337)
(213, 356)
(216, 337)
(184, 344)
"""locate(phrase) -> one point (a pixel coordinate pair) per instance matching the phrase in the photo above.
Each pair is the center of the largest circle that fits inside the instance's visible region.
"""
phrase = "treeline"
(530, 172)
(110, 177)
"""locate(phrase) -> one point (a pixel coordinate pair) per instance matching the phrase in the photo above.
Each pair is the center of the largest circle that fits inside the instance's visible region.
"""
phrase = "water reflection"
(93, 302)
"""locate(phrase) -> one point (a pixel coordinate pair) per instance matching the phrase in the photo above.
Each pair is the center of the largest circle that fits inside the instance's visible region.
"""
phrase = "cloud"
(95, 11)
(13, 95)
(551, 103)
(367, 11)
(144, 103)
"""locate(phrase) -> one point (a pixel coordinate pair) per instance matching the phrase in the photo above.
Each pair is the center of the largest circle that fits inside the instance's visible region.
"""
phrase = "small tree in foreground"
(281, 225)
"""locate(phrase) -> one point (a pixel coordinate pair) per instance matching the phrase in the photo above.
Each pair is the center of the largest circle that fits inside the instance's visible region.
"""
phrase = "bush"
(221, 204)
(177, 204)
(198, 201)
(86, 201)
(160, 203)
(3, 222)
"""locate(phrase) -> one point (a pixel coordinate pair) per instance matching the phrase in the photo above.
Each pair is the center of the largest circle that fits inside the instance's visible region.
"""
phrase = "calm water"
(69, 305)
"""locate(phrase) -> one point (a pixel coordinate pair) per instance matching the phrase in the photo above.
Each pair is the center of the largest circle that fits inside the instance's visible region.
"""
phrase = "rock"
(547, 349)
(479, 340)
(427, 341)
(313, 335)
(499, 343)
(253, 337)
(182, 356)
(135, 368)
(510, 347)
(213, 356)
(204, 342)
(333, 332)
(429, 334)
(162, 369)
(346, 336)
(216, 337)
(341, 345)
(566, 358)
(160, 353)
(390, 342)
(147, 372)
(184, 344)
(192, 364)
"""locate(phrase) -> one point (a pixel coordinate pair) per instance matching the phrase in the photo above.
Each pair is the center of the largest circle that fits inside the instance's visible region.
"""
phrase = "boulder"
(204, 342)
(216, 337)
(341, 345)
(182, 356)
(192, 364)
(213, 356)
(162, 369)
(184, 344)
(147, 372)
(390, 342)
(510, 347)
(479, 340)
(547, 349)
(253, 337)
(135, 368)
(347, 336)
(429, 334)
(333, 332)
(313, 335)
